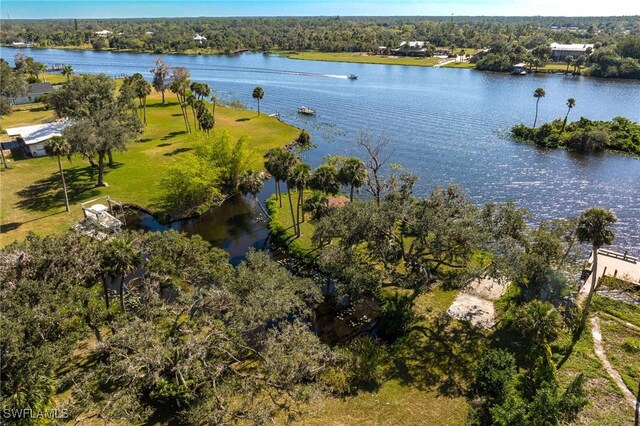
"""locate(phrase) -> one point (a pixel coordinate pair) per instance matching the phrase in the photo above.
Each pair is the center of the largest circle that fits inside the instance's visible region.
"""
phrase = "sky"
(40, 9)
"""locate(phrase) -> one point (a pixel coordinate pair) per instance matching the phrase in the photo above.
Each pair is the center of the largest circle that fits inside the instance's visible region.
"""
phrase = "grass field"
(363, 58)
(31, 196)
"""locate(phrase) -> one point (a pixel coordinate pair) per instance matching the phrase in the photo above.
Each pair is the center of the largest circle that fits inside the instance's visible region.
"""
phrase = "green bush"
(495, 371)
(396, 317)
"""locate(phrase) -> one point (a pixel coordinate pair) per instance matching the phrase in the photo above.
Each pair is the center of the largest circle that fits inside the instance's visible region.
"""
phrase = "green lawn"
(31, 196)
(363, 58)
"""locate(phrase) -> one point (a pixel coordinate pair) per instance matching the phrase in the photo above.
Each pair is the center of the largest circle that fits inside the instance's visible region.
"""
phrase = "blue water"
(446, 125)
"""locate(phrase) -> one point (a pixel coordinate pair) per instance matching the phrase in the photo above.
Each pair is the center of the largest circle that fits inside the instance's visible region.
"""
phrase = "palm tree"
(67, 71)
(258, 94)
(353, 173)
(272, 165)
(300, 179)
(59, 146)
(124, 258)
(570, 104)
(251, 183)
(201, 90)
(580, 61)
(538, 93)
(594, 226)
(142, 89)
(540, 322)
(569, 60)
(325, 179)
(287, 162)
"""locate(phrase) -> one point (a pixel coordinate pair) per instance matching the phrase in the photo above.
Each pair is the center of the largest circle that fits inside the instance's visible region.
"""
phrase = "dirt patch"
(475, 303)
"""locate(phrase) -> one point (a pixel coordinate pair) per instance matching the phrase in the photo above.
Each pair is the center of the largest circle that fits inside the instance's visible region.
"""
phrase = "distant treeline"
(511, 39)
(324, 34)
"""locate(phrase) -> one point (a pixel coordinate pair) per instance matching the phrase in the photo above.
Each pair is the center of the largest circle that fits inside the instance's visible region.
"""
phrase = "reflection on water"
(235, 226)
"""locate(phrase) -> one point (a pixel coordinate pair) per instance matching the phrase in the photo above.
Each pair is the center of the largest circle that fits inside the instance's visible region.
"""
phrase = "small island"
(620, 134)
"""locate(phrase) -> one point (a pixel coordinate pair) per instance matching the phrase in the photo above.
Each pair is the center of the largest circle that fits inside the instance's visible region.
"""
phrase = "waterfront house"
(32, 139)
(412, 48)
(560, 51)
(103, 33)
(199, 38)
(35, 91)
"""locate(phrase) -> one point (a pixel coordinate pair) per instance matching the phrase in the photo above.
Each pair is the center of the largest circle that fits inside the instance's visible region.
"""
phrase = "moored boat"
(306, 110)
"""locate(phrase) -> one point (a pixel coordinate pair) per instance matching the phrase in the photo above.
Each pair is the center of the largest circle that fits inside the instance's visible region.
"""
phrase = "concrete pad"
(477, 311)
(487, 288)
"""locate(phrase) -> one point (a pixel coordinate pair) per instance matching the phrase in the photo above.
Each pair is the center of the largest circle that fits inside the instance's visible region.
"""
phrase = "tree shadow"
(47, 193)
(243, 119)
(145, 140)
(173, 134)
(8, 227)
(439, 355)
(164, 144)
(177, 151)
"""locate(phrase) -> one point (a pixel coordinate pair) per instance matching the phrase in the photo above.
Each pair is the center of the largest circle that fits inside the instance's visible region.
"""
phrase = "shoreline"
(344, 57)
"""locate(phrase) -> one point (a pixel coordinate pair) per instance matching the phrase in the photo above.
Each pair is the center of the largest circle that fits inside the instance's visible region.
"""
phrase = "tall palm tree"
(59, 147)
(272, 165)
(570, 104)
(299, 177)
(594, 226)
(124, 258)
(353, 173)
(287, 162)
(569, 60)
(251, 183)
(258, 93)
(538, 94)
(67, 71)
(142, 89)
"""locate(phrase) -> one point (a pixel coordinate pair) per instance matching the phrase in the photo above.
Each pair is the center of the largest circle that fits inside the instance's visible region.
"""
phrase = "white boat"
(306, 111)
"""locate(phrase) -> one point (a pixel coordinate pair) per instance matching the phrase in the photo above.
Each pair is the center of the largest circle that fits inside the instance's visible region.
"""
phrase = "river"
(446, 125)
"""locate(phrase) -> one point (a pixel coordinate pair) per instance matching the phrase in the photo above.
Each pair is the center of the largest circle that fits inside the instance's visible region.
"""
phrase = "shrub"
(495, 371)
(588, 141)
(396, 317)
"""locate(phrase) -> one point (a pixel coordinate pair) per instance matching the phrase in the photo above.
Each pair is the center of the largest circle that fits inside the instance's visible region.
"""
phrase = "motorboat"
(306, 110)
(352, 77)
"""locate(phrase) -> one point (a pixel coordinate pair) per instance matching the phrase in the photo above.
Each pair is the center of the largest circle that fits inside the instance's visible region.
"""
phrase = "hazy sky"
(16, 9)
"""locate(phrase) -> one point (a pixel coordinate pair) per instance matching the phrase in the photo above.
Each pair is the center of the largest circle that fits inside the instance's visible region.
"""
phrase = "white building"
(103, 33)
(560, 51)
(199, 38)
(35, 91)
(33, 138)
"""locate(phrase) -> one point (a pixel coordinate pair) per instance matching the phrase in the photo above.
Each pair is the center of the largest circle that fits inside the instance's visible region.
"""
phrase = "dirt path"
(599, 349)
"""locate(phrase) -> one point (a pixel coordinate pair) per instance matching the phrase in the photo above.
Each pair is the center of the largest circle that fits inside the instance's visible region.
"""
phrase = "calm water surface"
(446, 125)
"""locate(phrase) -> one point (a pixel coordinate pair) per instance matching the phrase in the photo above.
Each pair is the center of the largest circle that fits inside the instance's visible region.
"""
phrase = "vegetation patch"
(584, 135)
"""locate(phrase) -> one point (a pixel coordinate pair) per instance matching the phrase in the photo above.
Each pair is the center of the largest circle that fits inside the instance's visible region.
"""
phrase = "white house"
(33, 138)
(103, 33)
(35, 90)
(560, 51)
(199, 38)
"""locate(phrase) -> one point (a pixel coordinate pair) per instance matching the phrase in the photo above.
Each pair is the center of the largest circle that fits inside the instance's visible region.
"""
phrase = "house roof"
(40, 88)
(199, 37)
(577, 47)
(39, 132)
